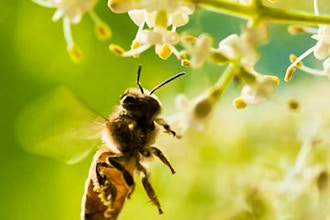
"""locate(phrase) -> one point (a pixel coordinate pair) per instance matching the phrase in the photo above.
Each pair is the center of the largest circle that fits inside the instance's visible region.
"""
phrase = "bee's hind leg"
(148, 188)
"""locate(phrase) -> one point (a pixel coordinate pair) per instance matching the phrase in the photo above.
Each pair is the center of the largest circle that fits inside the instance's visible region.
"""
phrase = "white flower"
(162, 39)
(322, 47)
(239, 50)
(71, 11)
(195, 113)
(256, 92)
(141, 17)
(242, 50)
(176, 17)
(180, 16)
(198, 49)
(186, 118)
(321, 50)
(161, 17)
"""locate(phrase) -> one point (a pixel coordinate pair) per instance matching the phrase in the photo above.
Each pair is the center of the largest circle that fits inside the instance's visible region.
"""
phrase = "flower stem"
(257, 12)
(223, 82)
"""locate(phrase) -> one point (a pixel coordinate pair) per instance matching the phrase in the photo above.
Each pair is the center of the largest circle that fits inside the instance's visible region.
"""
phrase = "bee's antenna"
(166, 81)
(138, 79)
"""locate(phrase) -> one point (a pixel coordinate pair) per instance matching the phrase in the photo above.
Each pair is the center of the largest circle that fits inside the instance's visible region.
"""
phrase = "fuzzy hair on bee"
(129, 135)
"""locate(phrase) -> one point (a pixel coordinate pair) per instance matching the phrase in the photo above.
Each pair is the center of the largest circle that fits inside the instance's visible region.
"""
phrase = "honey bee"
(60, 125)
(128, 137)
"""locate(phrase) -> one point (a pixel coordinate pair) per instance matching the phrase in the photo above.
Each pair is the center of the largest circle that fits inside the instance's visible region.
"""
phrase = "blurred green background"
(34, 61)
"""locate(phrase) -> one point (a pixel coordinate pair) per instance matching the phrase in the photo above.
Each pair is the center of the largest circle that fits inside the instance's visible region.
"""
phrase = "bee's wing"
(59, 125)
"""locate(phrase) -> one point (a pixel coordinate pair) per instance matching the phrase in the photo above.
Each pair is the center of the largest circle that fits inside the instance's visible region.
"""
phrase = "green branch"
(257, 12)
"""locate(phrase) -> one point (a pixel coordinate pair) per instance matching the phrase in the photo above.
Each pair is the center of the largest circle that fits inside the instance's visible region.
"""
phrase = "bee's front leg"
(166, 126)
(158, 153)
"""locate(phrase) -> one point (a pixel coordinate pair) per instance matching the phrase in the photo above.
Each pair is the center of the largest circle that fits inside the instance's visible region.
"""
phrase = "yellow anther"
(75, 53)
(182, 56)
(239, 103)
(185, 62)
(296, 29)
(188, 39)
(116, 49)
(289, 73)
(293, 59)
(135, 45)
(165, 52)
(103, 31)
(275, 79)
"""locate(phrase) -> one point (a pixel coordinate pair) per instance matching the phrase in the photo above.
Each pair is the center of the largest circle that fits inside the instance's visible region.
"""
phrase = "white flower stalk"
(71, 11)
(318, 72)
(161, 18)
(321, 49)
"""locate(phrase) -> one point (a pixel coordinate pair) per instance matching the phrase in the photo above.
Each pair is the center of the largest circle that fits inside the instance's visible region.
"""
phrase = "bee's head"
(141, 103)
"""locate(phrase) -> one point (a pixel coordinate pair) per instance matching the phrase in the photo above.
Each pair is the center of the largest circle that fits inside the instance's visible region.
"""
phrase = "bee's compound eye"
(128, 100)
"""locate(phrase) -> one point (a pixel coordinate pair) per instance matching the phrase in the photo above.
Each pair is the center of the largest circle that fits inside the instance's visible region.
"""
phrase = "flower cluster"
(241, 55)
(71, 11)
(321, 49)
(161, 18)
